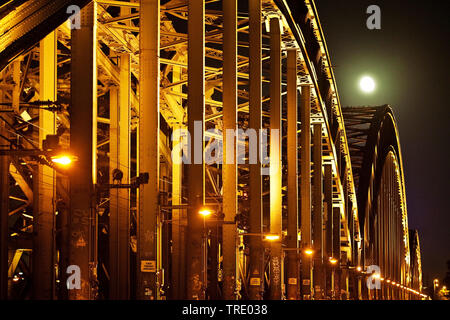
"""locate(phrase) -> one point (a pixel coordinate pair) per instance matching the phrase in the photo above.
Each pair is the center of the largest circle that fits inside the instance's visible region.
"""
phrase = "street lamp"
(272, 237)
(308, 252)
(205, 212)
(63, 159)
(333, 260)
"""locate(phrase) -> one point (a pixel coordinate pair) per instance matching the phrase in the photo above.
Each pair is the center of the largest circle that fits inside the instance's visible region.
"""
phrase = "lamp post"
(269, 237)
(333, 263)
(205, 212)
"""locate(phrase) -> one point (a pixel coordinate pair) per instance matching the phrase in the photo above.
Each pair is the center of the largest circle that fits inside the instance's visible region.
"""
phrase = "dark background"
(409, 60)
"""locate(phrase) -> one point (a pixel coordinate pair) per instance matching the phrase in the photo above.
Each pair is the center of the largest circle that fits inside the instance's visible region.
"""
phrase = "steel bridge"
(118, 86)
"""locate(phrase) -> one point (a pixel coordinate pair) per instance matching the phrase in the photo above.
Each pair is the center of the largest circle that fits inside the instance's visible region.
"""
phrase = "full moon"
(367, 84)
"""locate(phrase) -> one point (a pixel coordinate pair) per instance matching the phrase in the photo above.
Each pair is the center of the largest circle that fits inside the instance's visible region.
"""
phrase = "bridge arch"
(377, 163)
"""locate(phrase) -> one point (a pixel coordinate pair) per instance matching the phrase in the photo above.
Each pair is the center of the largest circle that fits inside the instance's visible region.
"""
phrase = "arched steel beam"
(372, 133)
(24, 24)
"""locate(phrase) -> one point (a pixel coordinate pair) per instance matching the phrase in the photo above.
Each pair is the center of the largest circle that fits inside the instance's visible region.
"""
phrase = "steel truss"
(334, 193)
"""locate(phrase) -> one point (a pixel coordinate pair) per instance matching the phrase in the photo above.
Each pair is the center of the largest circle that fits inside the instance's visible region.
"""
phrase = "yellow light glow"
(205, 212)
(309, 252)
(62, 159)
(272, 237)
(333, 261)
(367, 84)
(376, 276)
(358, 268)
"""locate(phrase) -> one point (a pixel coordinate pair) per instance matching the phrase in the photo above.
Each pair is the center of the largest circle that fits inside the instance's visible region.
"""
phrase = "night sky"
(409, 60)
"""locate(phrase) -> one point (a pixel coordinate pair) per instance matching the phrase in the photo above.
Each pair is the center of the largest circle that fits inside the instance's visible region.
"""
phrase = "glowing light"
(64, 160)
(272, 237)
(333, 260)
(388, 281)
(205, 212)
(358, 268)
(367, 84)
(309, 252)
(376, 275)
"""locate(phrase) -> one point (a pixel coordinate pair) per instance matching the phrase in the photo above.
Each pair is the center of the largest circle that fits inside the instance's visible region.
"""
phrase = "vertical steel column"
(319, 279)
(178, 278)
(196, 170)
(255, 122)
(305, 189)
(148, 152)
(83, 129)
(275, 157)
(328, 197)
(229, 167)
(292, 177)
(119, 203)
(44, 202)
(4, 210)
(337, 247)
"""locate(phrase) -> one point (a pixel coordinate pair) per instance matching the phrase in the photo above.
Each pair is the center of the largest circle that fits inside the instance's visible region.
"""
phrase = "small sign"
(148, 266)
(255, 281)
(292, 281)
(306, 282)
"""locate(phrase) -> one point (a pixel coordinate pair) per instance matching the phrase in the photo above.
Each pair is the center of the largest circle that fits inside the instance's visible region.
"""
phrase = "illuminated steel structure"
(120, 86)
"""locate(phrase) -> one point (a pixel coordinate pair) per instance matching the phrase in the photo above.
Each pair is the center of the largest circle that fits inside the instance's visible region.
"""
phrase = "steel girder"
(377, 165)
(300, 30)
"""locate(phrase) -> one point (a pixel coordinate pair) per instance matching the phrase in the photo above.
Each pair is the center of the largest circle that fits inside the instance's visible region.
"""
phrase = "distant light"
(376, 276)
(358, 268)
(309, 252)
(272, 237)
(367, 84)
(64, 160)
(205, 212)
(333, 260)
